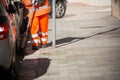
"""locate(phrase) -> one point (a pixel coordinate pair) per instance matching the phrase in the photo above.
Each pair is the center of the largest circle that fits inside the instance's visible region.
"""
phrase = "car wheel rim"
(59, 9)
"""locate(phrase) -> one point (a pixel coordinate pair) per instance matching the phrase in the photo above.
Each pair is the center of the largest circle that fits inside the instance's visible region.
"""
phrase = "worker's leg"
(34, 32)
(43, 29)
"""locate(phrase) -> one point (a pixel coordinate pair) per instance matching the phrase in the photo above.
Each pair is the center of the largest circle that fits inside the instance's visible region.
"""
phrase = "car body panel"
(5, 54)
(7, 45)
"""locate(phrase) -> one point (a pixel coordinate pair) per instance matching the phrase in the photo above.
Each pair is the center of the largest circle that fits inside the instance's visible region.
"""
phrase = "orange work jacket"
(39, 10)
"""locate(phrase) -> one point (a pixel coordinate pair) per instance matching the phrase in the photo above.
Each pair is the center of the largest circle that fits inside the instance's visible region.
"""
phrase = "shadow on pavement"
(69, 40)
(65, 41)
(33, 68)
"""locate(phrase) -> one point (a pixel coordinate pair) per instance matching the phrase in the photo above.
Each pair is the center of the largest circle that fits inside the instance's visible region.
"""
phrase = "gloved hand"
(35, 2)
(41, 1)
(38, 2)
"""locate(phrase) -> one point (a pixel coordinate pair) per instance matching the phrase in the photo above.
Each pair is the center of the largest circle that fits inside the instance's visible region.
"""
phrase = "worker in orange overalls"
(39, 9)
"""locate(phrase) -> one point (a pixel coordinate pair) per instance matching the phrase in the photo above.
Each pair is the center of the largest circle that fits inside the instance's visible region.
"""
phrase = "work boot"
(35, 48)
(43, 46)
(39, 45)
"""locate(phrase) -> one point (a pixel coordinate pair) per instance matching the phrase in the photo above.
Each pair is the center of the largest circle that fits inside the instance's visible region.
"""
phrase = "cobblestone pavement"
(87, 48)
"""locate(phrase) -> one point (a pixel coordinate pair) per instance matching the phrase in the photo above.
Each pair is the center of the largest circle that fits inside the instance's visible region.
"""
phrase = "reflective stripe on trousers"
(35, 39)
(39, 29)
(43, 37)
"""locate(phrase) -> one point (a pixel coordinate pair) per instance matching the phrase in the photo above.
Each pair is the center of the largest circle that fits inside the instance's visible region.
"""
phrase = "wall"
(116, 8)
(115, 5)
(94, 2)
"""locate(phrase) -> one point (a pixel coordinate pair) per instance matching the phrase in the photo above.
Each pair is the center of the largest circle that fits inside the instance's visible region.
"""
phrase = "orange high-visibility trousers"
(38, 21)
(39, 29)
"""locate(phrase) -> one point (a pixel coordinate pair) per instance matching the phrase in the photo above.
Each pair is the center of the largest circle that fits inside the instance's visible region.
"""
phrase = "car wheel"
(60, 9)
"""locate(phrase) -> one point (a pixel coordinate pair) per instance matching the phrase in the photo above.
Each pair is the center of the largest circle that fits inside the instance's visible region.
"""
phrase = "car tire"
(60, 9)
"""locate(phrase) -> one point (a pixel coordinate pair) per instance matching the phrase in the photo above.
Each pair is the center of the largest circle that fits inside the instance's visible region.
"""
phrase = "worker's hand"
(35, 2)
(38, 2)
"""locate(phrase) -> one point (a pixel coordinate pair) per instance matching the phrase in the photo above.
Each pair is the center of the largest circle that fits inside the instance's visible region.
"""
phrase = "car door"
(7, 35)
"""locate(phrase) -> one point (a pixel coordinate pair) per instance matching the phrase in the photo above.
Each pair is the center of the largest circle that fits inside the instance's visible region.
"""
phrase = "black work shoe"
(39, 45)
(34, 48)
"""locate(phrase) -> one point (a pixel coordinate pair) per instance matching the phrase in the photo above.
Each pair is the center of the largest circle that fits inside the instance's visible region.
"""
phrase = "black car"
(60, 7)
